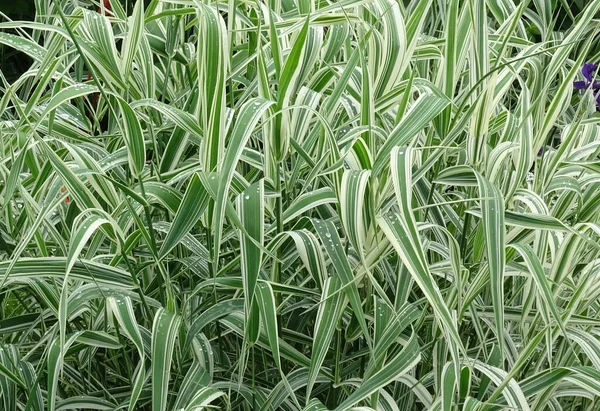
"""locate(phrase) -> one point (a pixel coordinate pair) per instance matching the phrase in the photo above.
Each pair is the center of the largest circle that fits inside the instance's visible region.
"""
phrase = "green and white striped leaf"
(164, 332)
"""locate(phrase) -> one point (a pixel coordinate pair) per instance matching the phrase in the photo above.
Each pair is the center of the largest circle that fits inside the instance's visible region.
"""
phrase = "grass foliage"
(310, 205)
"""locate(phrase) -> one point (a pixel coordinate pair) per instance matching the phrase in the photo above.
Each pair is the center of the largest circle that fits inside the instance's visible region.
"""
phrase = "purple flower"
(588, 70)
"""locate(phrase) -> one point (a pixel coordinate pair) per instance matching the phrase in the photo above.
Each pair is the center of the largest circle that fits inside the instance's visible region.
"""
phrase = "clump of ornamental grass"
(311, 205)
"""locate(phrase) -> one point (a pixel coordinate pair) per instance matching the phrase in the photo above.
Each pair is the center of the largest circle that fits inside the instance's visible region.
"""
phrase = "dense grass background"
(311, 205)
